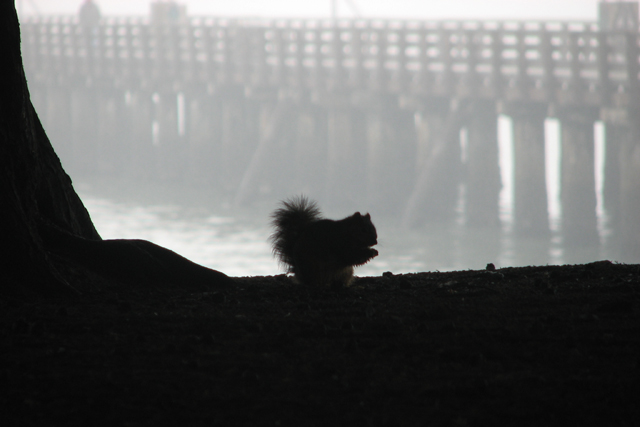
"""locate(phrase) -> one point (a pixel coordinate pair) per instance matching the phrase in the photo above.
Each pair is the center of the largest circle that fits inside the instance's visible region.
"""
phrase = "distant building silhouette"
(89, 14)
(168, 12)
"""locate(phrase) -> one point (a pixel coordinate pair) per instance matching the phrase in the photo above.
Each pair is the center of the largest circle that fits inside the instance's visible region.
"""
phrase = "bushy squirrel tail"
(289, 222)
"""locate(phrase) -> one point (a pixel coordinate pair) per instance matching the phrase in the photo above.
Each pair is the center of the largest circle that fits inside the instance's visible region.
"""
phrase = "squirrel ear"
(357, 215)
(367, 216)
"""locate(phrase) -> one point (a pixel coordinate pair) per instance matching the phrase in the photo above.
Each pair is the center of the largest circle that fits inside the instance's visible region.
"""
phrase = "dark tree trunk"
(44, 227)
(34, 189)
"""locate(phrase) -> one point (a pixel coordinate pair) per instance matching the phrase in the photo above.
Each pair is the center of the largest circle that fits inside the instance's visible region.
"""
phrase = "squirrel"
(320, 251)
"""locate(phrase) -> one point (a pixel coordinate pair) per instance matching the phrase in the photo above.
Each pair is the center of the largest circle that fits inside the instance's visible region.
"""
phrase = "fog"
(404, 9)
(212, 205)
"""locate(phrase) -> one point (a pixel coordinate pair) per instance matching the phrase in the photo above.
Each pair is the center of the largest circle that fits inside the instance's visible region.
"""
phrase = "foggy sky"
(421, 9)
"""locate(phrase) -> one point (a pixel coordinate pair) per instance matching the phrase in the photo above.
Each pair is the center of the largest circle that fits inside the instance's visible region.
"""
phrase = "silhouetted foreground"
(48, 238)
(516, 346)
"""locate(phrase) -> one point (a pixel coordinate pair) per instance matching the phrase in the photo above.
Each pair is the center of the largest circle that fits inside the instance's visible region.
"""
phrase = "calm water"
(234, 241)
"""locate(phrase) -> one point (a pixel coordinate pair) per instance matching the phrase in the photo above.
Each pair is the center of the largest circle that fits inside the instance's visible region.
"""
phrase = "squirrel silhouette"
(320, 251)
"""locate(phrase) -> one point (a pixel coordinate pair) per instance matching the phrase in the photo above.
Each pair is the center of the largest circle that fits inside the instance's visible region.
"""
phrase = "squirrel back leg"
(320, 274)
(316, 272)
(310, 272)
(342, 277)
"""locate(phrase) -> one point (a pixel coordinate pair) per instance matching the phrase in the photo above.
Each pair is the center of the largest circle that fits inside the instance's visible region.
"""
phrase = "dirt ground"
(530, 346)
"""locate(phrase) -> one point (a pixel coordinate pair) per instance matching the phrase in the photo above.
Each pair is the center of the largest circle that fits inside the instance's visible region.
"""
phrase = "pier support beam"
(235, 148)
(531, 214)
(310, 152)
(391, 156)
(166, 138)
(113, 152)
(270, 167)
(614, 135)
(140, 112)
(438, 164)
(483, 169)
(347, 162)
(291, 156)
(623, 139)
(577, 179)
(202, 138)
(630, 194)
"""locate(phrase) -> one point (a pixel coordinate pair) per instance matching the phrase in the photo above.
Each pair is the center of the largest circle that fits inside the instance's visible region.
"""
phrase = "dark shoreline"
(551, 345)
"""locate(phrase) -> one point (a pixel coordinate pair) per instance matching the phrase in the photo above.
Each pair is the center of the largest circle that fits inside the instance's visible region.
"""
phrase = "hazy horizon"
(402, 9)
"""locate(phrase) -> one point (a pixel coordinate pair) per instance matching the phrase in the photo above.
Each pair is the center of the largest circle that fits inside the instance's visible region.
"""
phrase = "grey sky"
(421, 9)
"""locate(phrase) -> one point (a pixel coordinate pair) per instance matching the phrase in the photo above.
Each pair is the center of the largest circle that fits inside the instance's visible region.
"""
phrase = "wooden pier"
(364, 111)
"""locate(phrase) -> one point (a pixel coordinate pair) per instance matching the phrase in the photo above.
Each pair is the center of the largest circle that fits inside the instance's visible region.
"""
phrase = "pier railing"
(563, 62)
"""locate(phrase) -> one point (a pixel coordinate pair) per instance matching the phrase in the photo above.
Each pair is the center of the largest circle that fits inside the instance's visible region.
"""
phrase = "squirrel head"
(363, 230)
(359, 215)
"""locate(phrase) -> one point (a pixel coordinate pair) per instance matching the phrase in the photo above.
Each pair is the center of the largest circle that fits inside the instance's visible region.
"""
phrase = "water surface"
(212, 232)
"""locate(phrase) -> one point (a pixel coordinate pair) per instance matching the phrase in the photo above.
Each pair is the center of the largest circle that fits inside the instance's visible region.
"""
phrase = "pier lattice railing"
(564, 62)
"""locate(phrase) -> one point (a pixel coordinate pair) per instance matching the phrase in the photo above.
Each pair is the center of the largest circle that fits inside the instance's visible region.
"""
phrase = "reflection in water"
(216, 241)
(235, 242)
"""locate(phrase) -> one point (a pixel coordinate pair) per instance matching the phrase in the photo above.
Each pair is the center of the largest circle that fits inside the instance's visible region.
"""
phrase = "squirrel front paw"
(367, 255)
